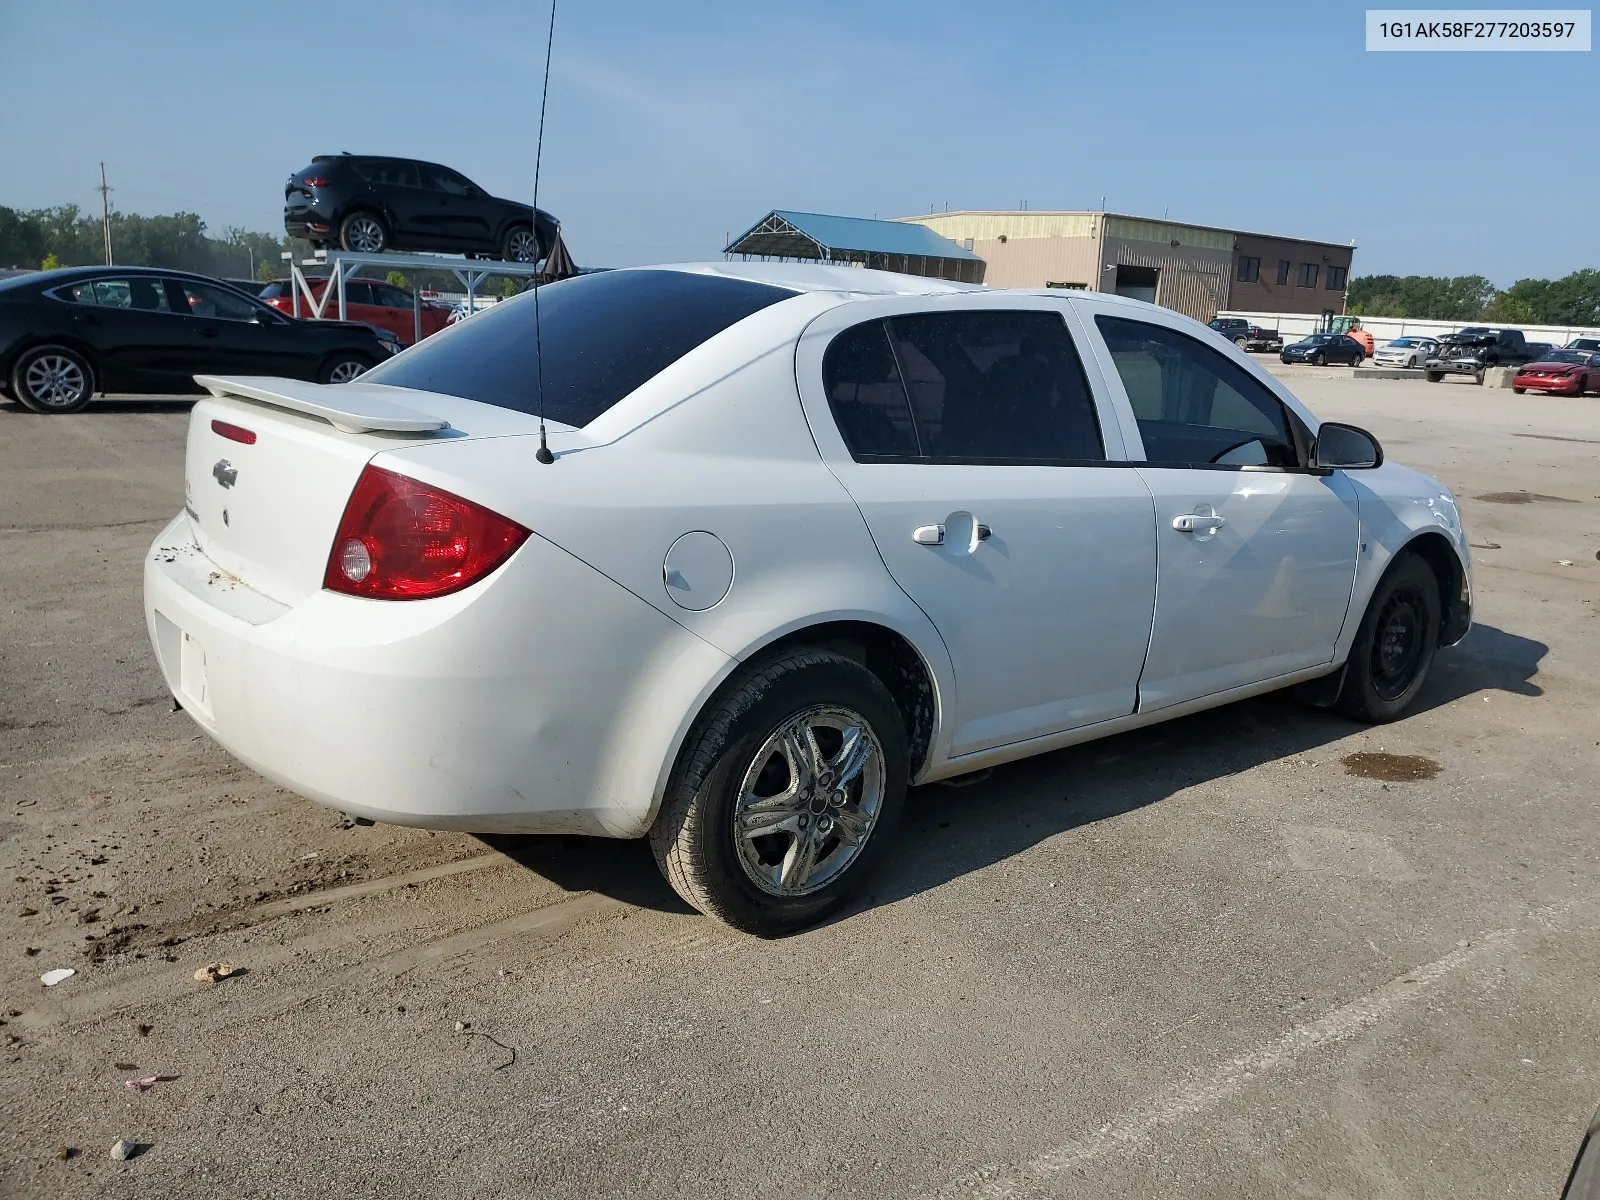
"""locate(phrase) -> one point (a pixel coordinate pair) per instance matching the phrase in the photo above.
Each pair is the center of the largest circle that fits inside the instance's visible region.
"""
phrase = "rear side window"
(1195, 407)
(868, 400)
(603, 336)
(141, 292)
(969, 386)
(996, 385)
(395, 172)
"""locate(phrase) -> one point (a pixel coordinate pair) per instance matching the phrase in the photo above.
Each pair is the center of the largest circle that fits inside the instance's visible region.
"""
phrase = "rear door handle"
(928, 535)
(1194, 523)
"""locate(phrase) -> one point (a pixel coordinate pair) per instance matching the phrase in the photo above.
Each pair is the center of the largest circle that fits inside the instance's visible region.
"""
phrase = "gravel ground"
(1200, 960)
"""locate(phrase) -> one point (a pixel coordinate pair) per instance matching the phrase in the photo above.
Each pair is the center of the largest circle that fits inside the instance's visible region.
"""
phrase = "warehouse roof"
(785, 234)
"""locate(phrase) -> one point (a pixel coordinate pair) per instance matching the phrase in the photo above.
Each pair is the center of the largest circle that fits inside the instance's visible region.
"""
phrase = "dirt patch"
(1522, 498)
(1391, 768)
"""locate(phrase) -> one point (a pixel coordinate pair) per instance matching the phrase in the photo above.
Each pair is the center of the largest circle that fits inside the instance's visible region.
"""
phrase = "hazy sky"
(673, 123)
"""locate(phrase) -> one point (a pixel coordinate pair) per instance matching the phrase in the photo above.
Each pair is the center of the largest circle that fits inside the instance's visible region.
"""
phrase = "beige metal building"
(1194, 269)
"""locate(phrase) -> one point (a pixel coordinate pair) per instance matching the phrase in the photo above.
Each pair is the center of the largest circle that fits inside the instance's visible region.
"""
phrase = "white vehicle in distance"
(811, 535)
(1409, 352)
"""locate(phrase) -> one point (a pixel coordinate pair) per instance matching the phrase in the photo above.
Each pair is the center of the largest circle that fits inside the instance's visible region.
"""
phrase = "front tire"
(1394, 645)
(1318, 359)
(786, 793)
(363, 233)
(1518, 391)
(52, 379)
(1435, 376)
(520, 245)
(1243, 344)
(343, 367)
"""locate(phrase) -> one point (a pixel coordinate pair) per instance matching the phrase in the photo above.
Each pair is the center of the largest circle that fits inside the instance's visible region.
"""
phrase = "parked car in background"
(461, 638)
(66, 335)
(1472, 351)
(1561, 372)
(1247, 335)
(1584, 343)
(1321, 349)
(1537, 350)
(372, 301)
(1410, 352)
(251, 287)
(373, 204)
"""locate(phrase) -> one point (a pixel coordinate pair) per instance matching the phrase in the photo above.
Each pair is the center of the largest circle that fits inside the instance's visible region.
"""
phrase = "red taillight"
(315, 181)
(234, 433)
(400, 539)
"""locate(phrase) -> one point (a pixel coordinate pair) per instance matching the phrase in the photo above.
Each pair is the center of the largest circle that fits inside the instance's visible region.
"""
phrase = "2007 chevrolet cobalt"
(811, 535)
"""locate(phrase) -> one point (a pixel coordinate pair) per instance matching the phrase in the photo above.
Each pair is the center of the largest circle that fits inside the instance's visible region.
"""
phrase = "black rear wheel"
(520, 245)
(1395, 643)
(52, 379)
(786, 794)
(363, 233)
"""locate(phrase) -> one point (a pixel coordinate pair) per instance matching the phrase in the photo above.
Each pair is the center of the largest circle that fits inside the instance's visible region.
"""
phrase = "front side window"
(203, 300)
(1308, 275)
(1193, 406)
(603, 335)
(1249, 270)
(443, 179)
(996, 385)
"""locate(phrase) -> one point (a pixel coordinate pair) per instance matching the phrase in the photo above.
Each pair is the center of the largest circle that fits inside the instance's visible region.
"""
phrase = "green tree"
(1511, 309)
(266, 271)
(398, 279)
(50, 263)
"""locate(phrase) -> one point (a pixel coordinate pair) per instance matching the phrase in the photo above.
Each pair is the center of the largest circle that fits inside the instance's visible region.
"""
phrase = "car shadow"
(112, 404)
(950, 831)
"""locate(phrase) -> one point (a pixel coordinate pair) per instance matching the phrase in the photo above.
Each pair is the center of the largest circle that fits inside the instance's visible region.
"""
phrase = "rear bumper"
(308, 220)
(529, 703)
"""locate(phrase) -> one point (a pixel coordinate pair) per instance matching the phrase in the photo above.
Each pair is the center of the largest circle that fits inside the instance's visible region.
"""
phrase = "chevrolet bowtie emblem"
(225, 473)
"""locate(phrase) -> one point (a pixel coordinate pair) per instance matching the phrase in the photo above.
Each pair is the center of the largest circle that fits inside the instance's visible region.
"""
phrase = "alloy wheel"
(54, 381)
(344, 372)
(522, 247)
(809, 801)
(364, 234)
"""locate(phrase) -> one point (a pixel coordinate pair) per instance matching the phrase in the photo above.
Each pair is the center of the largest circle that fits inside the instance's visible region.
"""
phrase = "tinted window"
(395, 172)
(996, 385)
(1193, 405)
(1283, 271)
(203, 300)
(392, 296)
(141, 292)
(1249, 270)
(603, 336)
(868, 400)
(443, 179)
(356, 292)
(274, 291)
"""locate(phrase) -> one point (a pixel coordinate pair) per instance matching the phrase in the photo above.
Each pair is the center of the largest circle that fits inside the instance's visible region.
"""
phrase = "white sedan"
(811, 535)
(1405, 352)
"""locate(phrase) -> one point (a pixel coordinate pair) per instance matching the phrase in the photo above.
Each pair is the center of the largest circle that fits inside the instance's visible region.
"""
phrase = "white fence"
(1386, 329)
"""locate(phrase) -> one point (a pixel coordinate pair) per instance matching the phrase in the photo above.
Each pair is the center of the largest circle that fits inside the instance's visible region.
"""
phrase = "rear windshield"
(603, 336)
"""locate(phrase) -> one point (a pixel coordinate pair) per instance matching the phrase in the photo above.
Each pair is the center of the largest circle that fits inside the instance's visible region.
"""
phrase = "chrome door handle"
(1194, 523)
(928, 535)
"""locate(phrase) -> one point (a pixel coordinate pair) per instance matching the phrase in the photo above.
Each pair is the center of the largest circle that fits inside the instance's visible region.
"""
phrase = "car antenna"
(543, 454)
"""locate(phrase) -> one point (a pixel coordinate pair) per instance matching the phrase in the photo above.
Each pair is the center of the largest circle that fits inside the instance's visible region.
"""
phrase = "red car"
(371, 301)
(1562, 372)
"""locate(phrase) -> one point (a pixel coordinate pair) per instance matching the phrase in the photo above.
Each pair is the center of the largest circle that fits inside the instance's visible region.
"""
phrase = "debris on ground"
(123, 1149)
(461, 1026)
(148, 1082)
(144, 1030)
(511, 1050)
(51, 978)
(212, 972)
(63, 1153)
(125, 1066)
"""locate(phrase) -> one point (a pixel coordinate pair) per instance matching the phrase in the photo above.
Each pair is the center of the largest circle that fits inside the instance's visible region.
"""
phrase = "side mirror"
(1341, 447)
(267, 317)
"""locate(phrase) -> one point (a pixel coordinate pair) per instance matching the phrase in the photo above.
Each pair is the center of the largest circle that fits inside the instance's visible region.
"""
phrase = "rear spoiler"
(348, 407)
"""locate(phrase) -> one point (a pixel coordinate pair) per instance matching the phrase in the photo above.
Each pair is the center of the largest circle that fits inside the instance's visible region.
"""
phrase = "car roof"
(62, 274)
(821, 277)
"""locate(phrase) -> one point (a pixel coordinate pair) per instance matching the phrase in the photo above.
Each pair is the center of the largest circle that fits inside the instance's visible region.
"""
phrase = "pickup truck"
(1474, 350)
(1247, 336)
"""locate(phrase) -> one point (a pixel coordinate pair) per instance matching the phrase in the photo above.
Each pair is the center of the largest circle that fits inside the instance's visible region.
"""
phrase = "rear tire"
(363, 233)
(1394, 645)
(1243, 344)
(52, 379)
(1519, 391)
(738, 773)
(343, 367)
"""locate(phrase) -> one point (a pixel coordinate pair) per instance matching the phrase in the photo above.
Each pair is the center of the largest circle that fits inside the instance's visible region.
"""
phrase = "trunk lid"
(270, 464)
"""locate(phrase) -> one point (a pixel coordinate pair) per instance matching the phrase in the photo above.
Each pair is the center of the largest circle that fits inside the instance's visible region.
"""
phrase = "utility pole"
(105, 212)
